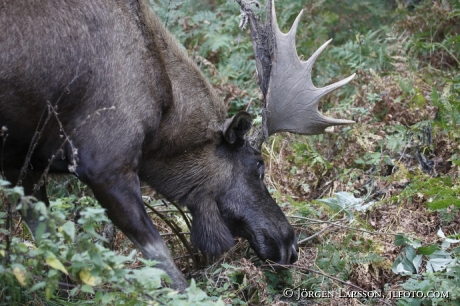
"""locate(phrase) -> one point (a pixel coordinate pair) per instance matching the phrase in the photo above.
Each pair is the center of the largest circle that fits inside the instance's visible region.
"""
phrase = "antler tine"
(292, 99)
(327, 89)
(311, 61)
(275, 27)
(309, 66)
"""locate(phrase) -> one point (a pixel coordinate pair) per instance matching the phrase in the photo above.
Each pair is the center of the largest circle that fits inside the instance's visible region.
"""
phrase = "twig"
(33, 144)
(74, 153)
(318, 233)
(62, 284)
(249, 104)
(167, 210)
(176, 229)
(38, 134)
(9, 225)
(172, 234)
(316, 220)
(72, 168)
(340, 225)
(4, 135)
(181, 211)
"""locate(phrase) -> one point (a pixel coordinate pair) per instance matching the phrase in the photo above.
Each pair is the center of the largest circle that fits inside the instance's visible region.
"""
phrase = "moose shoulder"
(100, 89)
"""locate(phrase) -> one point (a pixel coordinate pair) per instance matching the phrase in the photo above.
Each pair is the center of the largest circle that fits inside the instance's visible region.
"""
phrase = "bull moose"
(102, 90)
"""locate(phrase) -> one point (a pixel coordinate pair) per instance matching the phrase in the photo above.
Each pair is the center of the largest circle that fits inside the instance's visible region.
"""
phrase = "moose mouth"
(275, 249)
(291, 255)
(276, 244)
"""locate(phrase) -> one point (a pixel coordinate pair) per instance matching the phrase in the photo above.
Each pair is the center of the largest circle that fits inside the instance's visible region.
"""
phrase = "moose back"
(101, 89)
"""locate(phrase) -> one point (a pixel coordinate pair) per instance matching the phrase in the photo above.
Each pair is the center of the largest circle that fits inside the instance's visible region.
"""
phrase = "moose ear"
(236, 127)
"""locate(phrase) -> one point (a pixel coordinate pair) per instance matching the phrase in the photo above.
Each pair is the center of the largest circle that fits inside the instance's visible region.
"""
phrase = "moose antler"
(290, 98)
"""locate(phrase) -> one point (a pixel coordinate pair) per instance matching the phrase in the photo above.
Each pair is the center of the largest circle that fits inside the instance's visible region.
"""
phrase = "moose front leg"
(119, 193)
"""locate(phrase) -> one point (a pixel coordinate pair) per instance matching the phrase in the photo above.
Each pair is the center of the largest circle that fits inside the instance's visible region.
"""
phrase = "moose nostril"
(294, 256)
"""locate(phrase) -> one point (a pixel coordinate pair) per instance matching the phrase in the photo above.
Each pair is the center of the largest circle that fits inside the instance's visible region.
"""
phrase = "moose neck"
(196, 113)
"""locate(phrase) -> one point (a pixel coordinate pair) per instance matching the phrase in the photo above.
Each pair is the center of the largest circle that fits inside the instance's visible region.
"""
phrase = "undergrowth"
(376, 205)
(75, 251)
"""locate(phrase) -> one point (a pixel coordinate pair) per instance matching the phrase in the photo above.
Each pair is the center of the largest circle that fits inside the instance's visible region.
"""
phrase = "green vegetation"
(376, 205)
(35, 271)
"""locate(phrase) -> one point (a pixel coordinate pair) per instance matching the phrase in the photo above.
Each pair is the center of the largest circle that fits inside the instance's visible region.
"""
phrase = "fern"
(369, 258)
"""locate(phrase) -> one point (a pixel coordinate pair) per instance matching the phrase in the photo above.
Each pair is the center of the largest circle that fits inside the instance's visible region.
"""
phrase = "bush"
(35, 270)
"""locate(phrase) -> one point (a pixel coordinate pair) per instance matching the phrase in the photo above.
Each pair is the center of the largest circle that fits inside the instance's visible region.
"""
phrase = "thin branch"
(340, 225)
(176, 229)
(33, 144)
(318, 233)
(62, 284)
(38, 133)
(316, 220)
(41, 180)
(72, 167)
(4, 135)
(172, 234)
(181, 211)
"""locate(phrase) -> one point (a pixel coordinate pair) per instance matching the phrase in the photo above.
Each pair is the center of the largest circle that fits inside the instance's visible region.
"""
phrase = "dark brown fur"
(133, 107)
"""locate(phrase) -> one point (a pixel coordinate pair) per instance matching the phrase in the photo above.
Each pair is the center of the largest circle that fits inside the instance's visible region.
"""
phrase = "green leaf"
(437, 264)
(410, 252)
(74, 291)
(107, 298)
(227, 266)
(96, 259)
(397, 262)
(69, 230)
(440, 254)
(37, 286)
(17, 190)
(54, 263)
(417, 262)
(87, 289)
(416, 285)
(195, 294)
(22, 248)
(400, 240)
(428, 250)
(88, 279)
(408, 265)
(40, 231)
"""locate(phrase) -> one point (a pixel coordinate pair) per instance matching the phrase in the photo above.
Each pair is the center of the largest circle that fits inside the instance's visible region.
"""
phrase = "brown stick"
(177, 230)
(181, 211)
